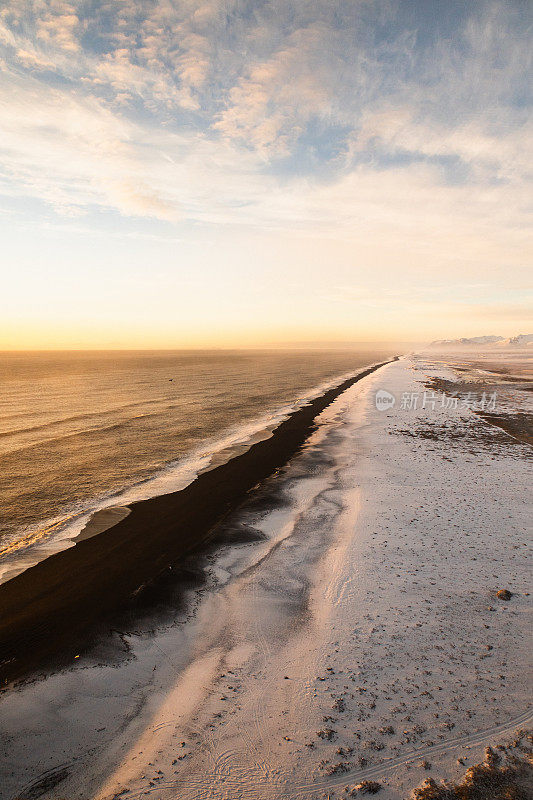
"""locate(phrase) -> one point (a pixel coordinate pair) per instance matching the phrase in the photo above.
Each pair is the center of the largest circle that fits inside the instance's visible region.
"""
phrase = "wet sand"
(101, 521)
(52, 612)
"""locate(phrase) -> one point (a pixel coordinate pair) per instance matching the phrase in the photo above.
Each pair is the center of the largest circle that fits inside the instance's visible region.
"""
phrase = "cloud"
(135, 198)
(271, 107)
(490, 153)
(322, 114)
(57, 26)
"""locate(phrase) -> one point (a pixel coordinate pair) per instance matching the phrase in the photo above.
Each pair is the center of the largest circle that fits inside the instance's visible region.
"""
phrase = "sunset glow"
(227, 173)
(266, 399)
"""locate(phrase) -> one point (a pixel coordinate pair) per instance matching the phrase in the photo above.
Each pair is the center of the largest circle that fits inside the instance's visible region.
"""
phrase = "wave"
(82, 434)
(153, 411)
(66, 420)
(32, 545)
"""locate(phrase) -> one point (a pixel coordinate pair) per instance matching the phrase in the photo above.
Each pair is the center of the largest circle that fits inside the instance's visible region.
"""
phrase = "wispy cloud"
(327, 113)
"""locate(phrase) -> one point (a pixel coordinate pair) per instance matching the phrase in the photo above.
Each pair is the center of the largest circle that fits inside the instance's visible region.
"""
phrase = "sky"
(190, 173)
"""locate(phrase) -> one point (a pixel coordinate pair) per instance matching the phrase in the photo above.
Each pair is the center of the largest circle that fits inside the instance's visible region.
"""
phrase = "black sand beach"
(52, 611)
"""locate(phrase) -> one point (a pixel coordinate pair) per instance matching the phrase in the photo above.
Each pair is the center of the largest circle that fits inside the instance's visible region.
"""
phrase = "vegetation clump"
(493, 779)
(366, 787)
(335, 769)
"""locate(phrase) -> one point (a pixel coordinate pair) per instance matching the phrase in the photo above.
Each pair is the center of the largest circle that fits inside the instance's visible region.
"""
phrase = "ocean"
(82, 431)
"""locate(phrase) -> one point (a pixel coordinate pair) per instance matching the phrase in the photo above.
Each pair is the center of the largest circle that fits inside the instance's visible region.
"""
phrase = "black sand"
(51, 611)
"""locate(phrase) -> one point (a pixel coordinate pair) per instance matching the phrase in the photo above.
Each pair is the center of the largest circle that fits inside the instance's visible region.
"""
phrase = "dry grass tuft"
(497, 778)
(366, 787)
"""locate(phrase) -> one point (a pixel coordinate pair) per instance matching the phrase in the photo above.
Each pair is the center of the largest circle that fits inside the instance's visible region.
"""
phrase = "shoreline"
(55, 609)
(51, 534)
(358, 639)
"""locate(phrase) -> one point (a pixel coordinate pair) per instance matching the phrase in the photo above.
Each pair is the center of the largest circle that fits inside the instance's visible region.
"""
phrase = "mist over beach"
(266, 400)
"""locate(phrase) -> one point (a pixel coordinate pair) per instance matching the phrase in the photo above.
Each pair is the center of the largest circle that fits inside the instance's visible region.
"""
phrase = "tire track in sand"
(199, 789)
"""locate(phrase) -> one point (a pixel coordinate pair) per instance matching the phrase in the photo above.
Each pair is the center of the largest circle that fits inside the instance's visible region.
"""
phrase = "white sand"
(369, 610)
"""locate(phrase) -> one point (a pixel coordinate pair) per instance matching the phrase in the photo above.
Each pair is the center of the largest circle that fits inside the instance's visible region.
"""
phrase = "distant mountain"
(522, 340)
(472, 340)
